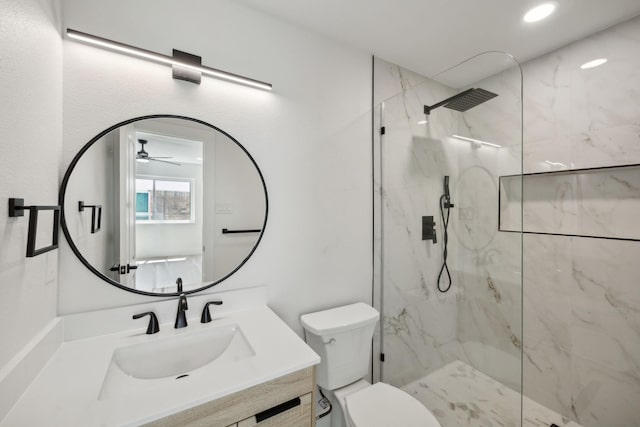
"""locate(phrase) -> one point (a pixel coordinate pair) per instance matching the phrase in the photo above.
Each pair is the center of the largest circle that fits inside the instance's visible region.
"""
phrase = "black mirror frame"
(78, 156)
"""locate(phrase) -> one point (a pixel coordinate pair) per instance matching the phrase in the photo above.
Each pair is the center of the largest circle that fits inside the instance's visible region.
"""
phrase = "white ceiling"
(429, 36)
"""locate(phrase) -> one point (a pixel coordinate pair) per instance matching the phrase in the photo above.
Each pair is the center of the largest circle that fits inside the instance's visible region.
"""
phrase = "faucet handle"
(206, 315)
(179, 283)
(153, 322)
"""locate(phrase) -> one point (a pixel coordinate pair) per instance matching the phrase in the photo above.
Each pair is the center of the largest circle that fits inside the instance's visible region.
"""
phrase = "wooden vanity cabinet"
(287, 401)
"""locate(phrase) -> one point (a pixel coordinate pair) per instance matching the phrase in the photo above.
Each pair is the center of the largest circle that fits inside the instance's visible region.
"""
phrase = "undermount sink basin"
(145, 366)
(177, 355)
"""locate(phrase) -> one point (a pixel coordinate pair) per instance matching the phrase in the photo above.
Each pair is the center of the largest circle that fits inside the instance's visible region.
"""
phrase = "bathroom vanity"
(282, 402)
(242, 366)
(245, 368)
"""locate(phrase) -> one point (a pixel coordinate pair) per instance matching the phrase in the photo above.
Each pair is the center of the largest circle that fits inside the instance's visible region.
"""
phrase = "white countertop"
(66, 392)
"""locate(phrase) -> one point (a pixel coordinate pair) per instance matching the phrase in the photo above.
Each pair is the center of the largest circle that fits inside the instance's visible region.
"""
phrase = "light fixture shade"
(165, 59)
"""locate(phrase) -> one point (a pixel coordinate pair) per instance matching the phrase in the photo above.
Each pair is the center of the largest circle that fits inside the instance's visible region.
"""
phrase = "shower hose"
(445, 222)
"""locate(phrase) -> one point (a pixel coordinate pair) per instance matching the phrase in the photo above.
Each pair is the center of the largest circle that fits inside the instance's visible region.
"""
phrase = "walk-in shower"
(553, 339)
(451, 329)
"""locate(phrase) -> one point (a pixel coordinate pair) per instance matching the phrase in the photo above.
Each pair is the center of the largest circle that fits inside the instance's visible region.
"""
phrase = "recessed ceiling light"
(540, 12)
(423, 122)
(594, 63)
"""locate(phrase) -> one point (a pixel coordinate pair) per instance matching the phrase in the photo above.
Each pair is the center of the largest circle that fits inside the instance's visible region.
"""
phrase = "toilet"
(342, 337)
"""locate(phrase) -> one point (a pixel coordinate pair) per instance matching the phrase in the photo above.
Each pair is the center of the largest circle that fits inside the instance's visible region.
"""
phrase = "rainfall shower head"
(463, 101)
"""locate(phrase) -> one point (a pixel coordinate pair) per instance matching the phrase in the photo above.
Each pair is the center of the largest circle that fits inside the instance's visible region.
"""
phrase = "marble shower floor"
(459, 395)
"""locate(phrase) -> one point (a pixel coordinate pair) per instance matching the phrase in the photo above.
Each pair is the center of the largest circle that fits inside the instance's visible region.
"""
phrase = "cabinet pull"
(278, 409)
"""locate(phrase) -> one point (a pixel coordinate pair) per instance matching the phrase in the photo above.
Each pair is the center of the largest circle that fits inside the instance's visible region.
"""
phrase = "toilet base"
(380, 405)
(337, 399)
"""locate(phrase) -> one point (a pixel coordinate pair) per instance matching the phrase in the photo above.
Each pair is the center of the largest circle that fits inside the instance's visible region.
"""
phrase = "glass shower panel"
(455, 344)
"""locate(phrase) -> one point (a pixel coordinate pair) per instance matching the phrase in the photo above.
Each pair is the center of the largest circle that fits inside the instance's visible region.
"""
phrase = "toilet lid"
(382, 405)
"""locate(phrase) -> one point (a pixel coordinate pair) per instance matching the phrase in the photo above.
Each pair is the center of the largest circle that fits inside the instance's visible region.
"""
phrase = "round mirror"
(163, 197)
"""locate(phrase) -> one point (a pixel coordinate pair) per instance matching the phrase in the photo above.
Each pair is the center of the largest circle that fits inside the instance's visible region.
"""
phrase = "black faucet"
(153, 327)
(206, 315)
(181, 319)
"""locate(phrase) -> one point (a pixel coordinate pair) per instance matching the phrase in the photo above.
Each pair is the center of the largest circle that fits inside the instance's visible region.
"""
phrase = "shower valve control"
(429, 229)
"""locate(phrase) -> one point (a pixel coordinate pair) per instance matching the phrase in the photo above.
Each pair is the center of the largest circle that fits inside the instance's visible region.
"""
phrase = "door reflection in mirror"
(168, 210)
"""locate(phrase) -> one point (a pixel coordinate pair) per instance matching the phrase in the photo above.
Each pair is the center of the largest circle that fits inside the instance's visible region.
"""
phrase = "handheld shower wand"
(445, 204)
(447, 196)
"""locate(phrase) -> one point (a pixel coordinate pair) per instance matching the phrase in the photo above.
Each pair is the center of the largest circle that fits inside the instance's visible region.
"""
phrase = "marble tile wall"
(582, 328)
(582, 299)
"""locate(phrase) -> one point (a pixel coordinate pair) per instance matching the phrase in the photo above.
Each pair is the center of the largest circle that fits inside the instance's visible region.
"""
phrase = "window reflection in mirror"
(163, 200)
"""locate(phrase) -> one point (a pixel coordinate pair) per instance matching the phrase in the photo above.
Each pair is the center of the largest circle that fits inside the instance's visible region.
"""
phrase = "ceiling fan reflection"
(144, 157)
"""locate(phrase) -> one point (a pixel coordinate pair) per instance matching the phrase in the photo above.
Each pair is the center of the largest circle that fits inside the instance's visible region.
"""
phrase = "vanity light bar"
(164, 59)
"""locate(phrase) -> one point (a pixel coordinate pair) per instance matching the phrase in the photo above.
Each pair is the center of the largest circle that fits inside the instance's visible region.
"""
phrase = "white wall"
(30, 147)
(96, 187)
(239, 204)
(311, 136)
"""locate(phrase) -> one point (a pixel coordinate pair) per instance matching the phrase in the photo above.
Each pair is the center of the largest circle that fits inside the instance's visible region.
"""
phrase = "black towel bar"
(227, 231)
(17, 208)
(96, 215)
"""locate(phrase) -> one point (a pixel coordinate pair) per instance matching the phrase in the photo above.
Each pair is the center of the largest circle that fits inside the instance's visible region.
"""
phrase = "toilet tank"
(342, 337)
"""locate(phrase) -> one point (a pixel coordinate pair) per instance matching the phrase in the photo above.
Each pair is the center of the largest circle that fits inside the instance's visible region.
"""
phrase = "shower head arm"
(429, 108)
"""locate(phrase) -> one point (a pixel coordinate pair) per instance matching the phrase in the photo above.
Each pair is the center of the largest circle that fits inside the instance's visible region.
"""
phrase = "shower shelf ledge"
(575, 171)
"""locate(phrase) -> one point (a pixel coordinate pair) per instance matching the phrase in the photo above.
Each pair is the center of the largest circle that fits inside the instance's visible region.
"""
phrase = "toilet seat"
(382, 405)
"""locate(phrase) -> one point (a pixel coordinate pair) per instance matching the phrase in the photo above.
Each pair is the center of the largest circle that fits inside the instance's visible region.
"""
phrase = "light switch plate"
(224, 208)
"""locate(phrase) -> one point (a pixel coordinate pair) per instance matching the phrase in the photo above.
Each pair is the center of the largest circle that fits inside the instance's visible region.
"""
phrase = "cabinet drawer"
(297, 416)
(245, 403)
